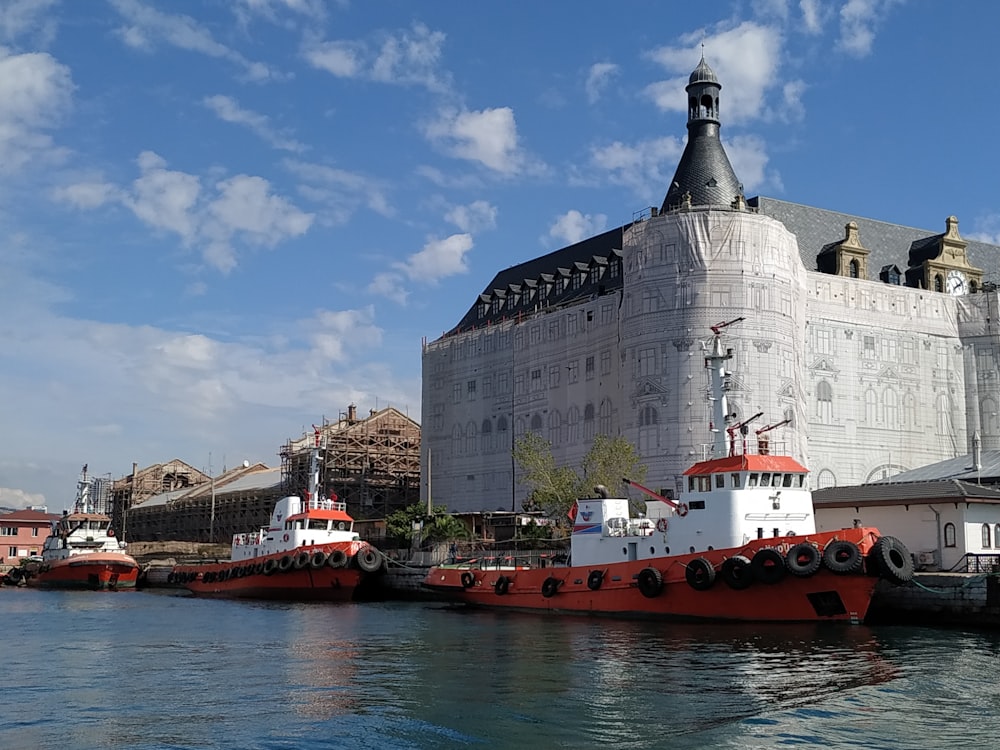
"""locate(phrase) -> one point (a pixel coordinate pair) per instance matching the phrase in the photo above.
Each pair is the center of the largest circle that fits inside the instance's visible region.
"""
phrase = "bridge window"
(720, 481)
(734, 480)
(949, 535)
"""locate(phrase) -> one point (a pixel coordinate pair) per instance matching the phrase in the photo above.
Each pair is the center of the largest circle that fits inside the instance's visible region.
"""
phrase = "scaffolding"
(372, 464)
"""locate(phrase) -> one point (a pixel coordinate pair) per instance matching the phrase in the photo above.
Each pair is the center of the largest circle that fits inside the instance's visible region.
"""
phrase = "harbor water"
(154, 670)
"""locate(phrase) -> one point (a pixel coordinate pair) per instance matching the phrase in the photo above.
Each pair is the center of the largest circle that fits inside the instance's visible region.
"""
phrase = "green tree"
(438, 526)
(555, 488)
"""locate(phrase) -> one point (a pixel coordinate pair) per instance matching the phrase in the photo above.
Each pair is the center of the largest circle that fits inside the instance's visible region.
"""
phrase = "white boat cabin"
(78, 534)
(297, 523)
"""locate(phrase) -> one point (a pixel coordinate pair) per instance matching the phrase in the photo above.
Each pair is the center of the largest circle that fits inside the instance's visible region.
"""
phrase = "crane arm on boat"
(655, 495)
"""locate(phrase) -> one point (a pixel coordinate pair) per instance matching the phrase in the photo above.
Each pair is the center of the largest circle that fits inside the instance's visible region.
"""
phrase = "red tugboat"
(309, 552)
(82, 551)
(740, 543)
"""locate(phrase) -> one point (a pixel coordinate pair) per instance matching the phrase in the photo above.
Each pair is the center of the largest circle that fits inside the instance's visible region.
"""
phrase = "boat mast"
(312, 495)
(715, 362)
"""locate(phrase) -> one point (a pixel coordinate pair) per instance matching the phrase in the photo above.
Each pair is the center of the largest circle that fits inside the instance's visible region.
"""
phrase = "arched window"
(986, 536)
(456, 441)
(471, 438)
(487, 432)
(555, 427)
(938, 283)
(852, 269)
(536, 423)
(588, 422)
(949, 535)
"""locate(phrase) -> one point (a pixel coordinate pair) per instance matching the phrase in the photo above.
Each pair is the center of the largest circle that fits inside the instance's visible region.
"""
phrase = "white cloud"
(388, 284)
(475, 217)
(12, 498)
(339, 192)
(228, 109)
(438, 259)
(644, 167)
(408, 57)
(147, 25)
(749, 159)
(814, 15)
(87, 195)
(488, 137)
(744, 58)
(574, 226)
(793, 109)
(163, 198)
(858, 21)
(19, 17)
(241, 208)
(36, 92)
(272, 10)
(336, 332)
(598, 77)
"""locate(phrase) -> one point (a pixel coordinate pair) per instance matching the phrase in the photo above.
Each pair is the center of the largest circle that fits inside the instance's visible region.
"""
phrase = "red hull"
(268, 578)
(97, 571)
(822, 596)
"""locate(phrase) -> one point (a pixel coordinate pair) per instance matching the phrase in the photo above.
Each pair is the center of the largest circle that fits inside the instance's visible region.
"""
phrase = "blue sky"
(221, 221)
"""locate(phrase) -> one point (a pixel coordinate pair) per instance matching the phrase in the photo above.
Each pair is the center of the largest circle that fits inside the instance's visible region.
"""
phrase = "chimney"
(352, 414)
(977, 451)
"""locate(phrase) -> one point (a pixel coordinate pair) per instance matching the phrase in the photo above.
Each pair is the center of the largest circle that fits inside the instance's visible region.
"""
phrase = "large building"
(866, 347)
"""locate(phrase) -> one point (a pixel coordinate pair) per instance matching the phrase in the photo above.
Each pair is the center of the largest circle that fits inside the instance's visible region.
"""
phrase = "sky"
(224, 221)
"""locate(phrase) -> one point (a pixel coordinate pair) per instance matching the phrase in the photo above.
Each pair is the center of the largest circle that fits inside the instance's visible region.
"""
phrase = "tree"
(555, 489)
(438, 526)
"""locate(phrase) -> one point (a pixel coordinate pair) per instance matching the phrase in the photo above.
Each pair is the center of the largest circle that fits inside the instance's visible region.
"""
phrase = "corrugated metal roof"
(267, 479)
(949, 490)
(961, 467)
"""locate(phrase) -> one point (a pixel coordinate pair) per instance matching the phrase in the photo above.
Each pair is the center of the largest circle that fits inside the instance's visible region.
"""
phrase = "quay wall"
(969, 599)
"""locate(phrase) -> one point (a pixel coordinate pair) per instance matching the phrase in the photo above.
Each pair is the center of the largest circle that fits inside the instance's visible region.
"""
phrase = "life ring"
(111, 532)
(284, 538)
(803, 560)
(368, 559)
(550, 586)
(682, 510)
(700, 574)
(501, 585)
(285, 563)
(649, 582)
(736, 572)
(662, 525)
(317, 560)
(842, 557)
(892, 560)
(467, 579)
(337, 559)
(768, 566)
(595, 579)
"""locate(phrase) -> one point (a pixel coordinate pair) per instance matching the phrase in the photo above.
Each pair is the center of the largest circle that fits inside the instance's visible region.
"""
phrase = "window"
(536, 379)
(554, 372)
(573, 371)
(949, 535)
(8, 531)
(853, 269)
(605, 363)
(470, 388)
(734, 480)
(456, 393)
(12, 552)
(589, 367)
(986, 536)
(720, 481)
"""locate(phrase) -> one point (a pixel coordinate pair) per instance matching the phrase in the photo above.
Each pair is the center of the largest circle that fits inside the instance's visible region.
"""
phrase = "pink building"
(22, 534)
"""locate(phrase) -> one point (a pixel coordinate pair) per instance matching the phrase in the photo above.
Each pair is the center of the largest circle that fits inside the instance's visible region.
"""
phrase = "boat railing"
(327, 504)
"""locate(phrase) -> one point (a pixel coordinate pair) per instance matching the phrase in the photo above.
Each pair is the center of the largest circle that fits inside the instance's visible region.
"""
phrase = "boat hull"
(632, 589)
(304, 574)
(94, 571)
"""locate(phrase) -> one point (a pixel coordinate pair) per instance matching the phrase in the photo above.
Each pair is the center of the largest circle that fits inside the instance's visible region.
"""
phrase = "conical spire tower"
(704, 176)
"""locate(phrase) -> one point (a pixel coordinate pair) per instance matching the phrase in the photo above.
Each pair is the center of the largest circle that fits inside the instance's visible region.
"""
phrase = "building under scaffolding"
(372, 464)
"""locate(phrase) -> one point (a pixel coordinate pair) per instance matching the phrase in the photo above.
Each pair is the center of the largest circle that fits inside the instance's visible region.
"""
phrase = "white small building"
(940, 521)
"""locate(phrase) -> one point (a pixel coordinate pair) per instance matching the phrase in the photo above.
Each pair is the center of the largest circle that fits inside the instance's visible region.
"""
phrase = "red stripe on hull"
(93, 572)
(325, 585)
(823, 596)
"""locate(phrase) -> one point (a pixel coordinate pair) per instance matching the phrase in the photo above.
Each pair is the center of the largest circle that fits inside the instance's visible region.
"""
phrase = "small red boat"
(83, 552)
(309, 552)
(739, 543)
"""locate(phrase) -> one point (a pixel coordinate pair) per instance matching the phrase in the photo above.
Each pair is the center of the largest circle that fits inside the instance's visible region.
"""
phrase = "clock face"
(956, 283)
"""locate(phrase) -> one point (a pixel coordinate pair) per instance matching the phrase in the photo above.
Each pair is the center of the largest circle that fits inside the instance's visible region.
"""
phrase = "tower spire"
(704, 175)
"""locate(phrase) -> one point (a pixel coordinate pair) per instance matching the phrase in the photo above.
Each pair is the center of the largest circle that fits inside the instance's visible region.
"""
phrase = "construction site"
(372, 464)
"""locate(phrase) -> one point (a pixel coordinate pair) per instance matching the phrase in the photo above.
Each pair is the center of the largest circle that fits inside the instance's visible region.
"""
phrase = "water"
(150, 670)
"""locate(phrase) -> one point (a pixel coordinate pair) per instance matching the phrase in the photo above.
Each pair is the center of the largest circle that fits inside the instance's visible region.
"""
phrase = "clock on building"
(956, 283)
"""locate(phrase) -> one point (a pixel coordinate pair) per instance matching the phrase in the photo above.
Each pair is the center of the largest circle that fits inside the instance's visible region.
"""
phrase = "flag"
(572, 513)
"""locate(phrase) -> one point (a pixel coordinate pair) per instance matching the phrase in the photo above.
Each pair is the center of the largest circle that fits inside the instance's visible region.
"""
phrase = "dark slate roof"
(948, 490)
(703, 73)
(961, 467)
(704, 171)
(595, 250)
(889, 244)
